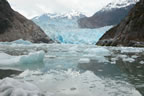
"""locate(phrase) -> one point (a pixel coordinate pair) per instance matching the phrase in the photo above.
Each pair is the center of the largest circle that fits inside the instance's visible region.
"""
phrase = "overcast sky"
(31, 8)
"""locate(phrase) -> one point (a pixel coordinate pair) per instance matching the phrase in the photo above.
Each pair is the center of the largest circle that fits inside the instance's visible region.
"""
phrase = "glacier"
(64, 29)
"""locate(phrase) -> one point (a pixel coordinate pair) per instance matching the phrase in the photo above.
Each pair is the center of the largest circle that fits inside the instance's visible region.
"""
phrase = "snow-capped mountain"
(64, 20)
(69, 15)
(119, 4)
(111, 14)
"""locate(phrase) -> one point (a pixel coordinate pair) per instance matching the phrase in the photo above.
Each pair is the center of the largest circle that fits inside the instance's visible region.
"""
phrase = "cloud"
(31, 8)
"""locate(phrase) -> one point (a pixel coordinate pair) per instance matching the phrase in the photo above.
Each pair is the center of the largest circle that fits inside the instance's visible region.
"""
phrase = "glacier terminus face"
(64, 28)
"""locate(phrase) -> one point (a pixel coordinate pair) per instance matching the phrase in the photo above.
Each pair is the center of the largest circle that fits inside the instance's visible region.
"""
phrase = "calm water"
(79, 70)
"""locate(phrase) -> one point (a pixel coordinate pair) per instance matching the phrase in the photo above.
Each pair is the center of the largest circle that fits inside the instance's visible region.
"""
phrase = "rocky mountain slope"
(111, 14)
(130, 32)
(14, 26)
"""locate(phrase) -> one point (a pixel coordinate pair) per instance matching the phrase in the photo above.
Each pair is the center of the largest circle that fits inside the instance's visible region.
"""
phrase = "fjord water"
(76, 67)
(74, 70)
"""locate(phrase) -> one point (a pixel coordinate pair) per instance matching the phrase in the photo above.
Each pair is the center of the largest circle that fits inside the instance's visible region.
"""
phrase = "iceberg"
(36, 57)
(12, 87)
(8, 60)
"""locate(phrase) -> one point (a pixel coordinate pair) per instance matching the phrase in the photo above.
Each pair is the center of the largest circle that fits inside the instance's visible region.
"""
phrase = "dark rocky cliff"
(14, 26)
(130, 31)
(105, 17)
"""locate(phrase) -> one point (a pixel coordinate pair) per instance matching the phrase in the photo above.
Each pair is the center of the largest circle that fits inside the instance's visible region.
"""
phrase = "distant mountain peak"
(69, 15)
(119, 4)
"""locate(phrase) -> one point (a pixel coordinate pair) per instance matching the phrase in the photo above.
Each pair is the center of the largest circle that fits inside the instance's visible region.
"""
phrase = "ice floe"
(13, 87)
(10, 60)
(74, 83)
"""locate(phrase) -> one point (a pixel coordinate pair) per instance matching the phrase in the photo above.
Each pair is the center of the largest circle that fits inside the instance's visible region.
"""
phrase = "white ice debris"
(131, 50)
(141, 62)
(74, 83)
(98, 53)
(128, 60)
(36, 57)
(12, 87)
(20, 41)
(84, 60)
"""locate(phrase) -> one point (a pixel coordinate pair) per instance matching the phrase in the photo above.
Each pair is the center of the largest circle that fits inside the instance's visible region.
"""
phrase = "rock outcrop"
(112, 14)
(14, 26)
(130, 32)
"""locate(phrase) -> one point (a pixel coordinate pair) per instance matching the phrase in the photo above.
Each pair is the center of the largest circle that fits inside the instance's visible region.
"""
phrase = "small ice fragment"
(141, 62)
(128, 60)
(134, 56)
(84, 60)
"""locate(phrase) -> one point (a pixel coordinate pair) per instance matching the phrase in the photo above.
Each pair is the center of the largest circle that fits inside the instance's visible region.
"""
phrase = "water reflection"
(101, 69)
(132, 72)
(135, 73)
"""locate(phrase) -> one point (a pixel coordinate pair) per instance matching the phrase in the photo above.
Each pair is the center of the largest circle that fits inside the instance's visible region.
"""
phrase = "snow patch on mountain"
(119, 4)
(69, 15)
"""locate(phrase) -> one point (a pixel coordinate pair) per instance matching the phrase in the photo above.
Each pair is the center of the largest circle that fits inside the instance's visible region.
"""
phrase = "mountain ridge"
(129, 32)
(107, 16)
(14, 26)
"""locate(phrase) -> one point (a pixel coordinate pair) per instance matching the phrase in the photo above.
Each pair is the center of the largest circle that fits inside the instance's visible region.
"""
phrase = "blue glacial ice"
(65, 30)
(31, 58)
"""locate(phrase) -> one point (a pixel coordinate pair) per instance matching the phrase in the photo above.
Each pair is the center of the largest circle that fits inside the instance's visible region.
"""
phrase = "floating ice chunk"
(9, 60)
(141, 62)
(20, 41)
(128, 60)
(135, 56)
(84, 60)
(62, 83)
(122, 56)
(131, 50)
(36, 57)
(12, 87)
(125, 58)
(6, 59)
(99, 51)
